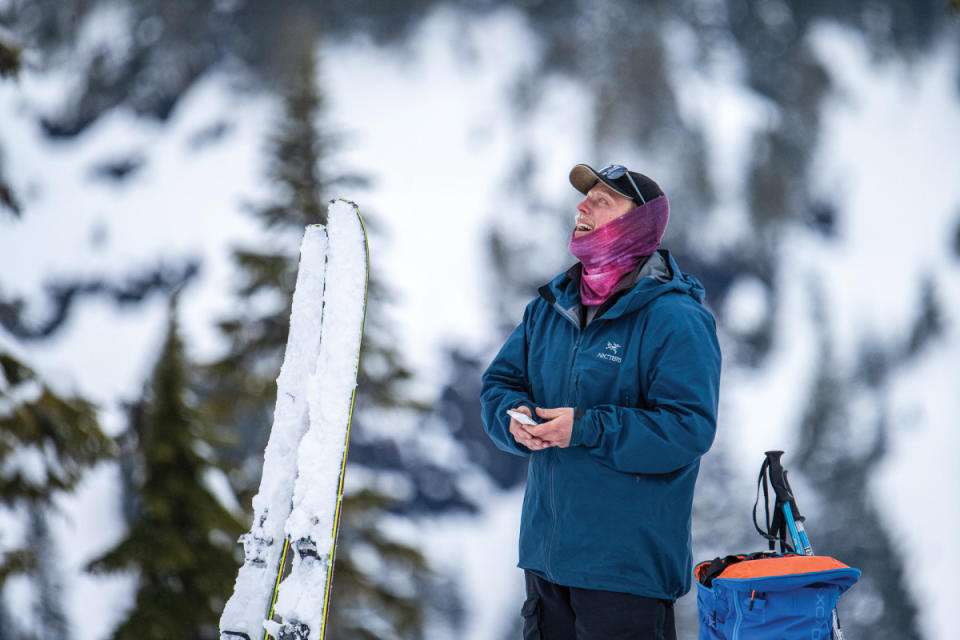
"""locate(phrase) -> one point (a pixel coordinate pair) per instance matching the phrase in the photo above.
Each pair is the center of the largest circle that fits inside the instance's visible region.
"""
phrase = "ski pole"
(785, 498)
(781, 486)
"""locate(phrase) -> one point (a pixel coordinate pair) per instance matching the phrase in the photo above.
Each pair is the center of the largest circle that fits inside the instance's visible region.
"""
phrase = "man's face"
(601, 205)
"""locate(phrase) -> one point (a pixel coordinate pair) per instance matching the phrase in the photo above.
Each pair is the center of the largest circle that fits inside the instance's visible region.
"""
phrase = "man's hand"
(521, 432)
(556, 429)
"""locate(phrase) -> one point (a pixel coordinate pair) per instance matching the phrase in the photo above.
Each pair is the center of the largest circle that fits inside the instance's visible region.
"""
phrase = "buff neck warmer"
(617, 248)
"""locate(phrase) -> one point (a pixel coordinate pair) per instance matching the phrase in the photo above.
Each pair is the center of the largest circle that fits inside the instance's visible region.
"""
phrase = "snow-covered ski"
(298, 505)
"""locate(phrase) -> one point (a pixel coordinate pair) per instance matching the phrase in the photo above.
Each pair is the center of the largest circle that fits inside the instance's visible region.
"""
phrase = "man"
(618, 361)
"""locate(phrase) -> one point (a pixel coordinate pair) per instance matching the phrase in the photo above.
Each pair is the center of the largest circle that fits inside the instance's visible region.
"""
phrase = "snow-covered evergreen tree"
(47, 443)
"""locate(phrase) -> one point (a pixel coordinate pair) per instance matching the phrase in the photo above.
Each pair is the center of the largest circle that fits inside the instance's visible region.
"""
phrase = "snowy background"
(432, 123)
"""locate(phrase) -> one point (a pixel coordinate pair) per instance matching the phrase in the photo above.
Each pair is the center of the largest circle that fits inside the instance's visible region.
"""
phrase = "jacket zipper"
(551, 464)
(552, 460)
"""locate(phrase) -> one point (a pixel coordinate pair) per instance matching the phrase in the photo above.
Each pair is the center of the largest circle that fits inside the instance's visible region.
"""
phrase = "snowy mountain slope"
(885, 161)
(183, 204)
(433, 131)
(905, 215)
(438, 161)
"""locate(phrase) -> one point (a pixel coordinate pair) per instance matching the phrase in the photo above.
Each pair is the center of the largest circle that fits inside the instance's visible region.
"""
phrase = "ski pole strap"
(767, 530)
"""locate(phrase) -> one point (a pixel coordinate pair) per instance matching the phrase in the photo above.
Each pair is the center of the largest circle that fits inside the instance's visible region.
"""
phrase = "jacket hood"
(566, 294)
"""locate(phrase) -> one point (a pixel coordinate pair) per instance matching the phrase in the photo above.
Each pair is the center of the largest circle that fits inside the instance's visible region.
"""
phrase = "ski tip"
(336, 202)
(348, 201)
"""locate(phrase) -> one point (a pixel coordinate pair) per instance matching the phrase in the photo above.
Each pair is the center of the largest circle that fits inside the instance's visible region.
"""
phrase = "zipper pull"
(752, 595)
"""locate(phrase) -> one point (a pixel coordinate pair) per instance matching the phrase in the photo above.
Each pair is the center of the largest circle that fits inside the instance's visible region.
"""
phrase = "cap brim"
(583, 178)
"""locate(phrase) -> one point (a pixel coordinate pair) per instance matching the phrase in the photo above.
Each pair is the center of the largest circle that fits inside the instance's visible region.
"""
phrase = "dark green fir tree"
(10, 55)
(241, 387)
(47, 443)
(180, 537)
(242, 383)
(35, 422)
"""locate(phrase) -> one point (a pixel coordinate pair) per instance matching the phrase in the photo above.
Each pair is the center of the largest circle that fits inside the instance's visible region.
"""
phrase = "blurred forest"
(212, 416)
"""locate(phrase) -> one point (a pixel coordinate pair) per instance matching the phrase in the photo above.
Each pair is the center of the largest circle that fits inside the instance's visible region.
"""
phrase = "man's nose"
(582, 207)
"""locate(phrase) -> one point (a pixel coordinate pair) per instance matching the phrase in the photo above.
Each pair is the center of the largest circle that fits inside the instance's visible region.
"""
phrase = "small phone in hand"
(522, 418)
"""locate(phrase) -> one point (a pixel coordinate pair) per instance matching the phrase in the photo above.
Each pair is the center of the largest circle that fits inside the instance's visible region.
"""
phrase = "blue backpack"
(791, 595)
(780, 596)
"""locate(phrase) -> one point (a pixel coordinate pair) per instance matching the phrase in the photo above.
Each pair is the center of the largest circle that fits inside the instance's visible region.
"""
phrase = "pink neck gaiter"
(617, 248)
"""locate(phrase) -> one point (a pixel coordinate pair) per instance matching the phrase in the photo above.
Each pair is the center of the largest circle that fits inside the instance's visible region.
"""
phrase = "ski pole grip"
(778, 477)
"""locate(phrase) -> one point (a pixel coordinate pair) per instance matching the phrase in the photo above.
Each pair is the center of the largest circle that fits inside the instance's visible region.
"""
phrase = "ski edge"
(346, 448)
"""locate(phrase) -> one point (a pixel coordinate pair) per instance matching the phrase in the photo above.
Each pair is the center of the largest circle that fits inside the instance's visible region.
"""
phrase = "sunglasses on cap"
(617, 171)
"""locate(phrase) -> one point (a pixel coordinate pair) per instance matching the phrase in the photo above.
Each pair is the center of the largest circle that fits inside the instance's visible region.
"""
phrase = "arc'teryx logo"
(614, 349)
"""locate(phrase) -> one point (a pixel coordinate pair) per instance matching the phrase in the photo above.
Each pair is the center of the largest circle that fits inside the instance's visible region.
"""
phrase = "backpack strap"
(718, 565)
(715, 568)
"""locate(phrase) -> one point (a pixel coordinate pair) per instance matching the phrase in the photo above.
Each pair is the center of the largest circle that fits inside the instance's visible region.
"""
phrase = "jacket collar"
(653, 279)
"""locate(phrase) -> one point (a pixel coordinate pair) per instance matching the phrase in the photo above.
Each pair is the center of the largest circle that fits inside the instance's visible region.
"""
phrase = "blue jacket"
(612, 511)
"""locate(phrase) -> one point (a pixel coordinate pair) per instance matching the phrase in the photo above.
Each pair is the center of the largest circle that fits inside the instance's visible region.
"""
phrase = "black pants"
(554, 612)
